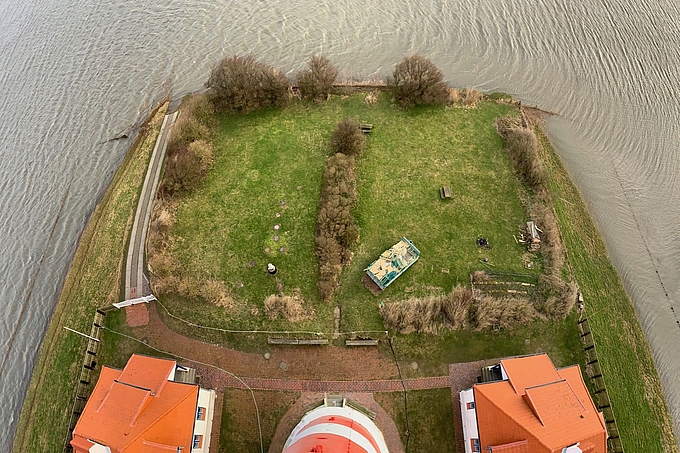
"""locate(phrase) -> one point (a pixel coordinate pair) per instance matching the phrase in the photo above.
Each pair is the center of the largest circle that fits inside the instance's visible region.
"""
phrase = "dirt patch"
(371, 285)
(137, 315)
(308, 362)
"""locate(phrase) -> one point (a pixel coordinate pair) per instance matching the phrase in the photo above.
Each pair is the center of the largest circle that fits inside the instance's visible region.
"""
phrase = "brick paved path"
(302, 385)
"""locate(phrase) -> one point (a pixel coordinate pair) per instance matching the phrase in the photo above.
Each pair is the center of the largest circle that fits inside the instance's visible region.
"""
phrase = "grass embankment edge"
(626, 360)
(76, 282)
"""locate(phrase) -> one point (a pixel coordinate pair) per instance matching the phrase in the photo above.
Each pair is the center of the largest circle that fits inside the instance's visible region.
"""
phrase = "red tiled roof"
(548, 408)
(138, 409)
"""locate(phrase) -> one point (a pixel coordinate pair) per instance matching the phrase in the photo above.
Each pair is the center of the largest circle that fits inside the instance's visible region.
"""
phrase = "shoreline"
(67, 306)
(78, 270)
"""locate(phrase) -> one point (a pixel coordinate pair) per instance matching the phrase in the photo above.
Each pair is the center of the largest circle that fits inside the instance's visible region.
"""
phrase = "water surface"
(75, 73)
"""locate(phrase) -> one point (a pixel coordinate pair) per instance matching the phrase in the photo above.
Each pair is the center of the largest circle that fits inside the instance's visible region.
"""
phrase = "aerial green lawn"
(268, 172)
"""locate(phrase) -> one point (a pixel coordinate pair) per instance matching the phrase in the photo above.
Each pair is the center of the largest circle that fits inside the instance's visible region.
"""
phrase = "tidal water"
(74, 73)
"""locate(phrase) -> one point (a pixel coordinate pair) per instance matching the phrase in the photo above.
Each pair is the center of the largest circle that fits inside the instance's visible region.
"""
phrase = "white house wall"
(206, 398)
(469, 417)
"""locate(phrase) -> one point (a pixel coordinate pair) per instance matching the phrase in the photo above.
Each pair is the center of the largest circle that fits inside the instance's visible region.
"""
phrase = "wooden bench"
(296, 341)
(366, 128)
(445, 192)
(368, 342)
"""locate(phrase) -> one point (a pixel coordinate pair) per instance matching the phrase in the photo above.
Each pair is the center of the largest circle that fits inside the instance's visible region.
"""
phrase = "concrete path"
(135, 283)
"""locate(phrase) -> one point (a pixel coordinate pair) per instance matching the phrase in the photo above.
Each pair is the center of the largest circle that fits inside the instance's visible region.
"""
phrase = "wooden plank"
(361, 342)
(296, 341)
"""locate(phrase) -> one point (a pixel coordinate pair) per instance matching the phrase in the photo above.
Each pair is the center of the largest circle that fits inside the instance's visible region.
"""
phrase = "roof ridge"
(171, 408)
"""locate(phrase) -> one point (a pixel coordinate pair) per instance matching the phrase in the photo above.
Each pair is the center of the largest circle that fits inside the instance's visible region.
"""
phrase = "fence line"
(82, 391)
(601, 400)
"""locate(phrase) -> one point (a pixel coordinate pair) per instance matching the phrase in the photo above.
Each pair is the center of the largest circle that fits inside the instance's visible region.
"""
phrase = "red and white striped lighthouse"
(335, 430)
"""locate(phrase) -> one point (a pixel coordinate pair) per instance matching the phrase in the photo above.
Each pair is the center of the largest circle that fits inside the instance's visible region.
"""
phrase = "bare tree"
(243, 84)
(416, 81)
(347, 138)
(316, 82)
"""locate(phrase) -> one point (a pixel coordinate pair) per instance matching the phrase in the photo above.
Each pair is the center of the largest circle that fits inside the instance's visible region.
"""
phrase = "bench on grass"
(366, 128)
(445, 192)
(369, 342)
(296, 341)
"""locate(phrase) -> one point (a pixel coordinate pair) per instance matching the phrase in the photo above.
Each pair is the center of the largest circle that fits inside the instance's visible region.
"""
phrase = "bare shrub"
(216, 292)
(186, 130)
(559, 297)
(523, 148)
(316, 82)
(347, 138)
(429, 314)
(456, 304)
(470, 97)
(502, 313)
(417, 81)
(289, 307)
(242, 84)
(336, 228)
(413, 315)
(183, 173)
(204, 153)
(196, 121)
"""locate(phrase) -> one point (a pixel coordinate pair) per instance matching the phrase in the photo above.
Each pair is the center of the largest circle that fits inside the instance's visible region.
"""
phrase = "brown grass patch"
(502, 313)
(429, 314)
(289, 307)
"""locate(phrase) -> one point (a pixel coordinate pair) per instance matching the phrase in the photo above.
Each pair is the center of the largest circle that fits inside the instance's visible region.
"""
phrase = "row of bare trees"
(242, 84)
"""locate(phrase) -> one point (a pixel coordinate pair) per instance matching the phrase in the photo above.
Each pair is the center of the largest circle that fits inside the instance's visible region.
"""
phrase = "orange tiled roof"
(138, 410)
(548, 408)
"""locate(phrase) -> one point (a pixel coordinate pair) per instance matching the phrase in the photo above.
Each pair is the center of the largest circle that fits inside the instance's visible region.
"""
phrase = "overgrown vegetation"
(523, 148)
(242, 84)
(501, 312)
(467, 97)
(317, 80)
(190, 150)
(429, 314)
(347, 138)
(336, 229)
(289, 307)
(417, 81)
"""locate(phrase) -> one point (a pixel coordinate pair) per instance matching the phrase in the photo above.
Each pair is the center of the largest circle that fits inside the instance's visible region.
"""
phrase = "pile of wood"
(529, 235)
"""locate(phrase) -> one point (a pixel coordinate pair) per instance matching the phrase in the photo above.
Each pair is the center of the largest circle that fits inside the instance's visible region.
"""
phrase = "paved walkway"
(134, 267)
(304, 385)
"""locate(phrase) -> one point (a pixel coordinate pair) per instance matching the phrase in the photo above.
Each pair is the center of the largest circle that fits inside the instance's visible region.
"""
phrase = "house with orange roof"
(145, 407)
(530, 406)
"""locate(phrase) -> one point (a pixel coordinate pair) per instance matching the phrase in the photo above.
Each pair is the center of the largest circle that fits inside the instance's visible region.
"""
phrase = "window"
(200, 413)
(198, 441)
(476, 446)
(470, 405)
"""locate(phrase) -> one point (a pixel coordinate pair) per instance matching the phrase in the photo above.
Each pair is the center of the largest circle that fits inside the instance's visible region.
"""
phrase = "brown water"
(77, 72)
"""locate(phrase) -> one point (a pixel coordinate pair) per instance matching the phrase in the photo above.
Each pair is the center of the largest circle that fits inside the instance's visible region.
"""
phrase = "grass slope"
(626, 360)
(93, 281)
